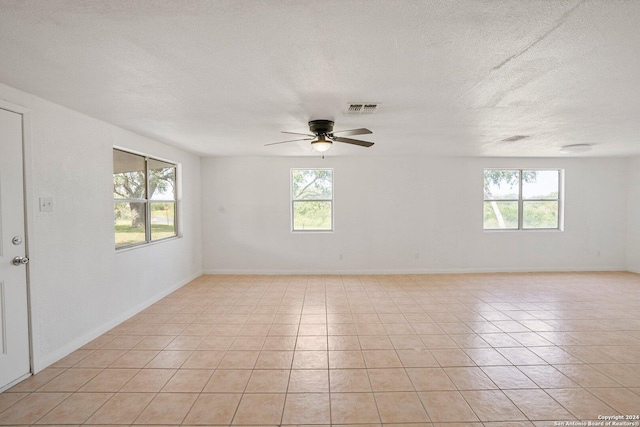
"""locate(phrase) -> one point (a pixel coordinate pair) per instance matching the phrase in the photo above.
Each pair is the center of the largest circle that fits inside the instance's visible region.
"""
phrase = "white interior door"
(14, 326)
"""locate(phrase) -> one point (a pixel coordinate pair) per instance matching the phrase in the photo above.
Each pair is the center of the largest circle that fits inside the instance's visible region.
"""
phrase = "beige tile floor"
(441, 350)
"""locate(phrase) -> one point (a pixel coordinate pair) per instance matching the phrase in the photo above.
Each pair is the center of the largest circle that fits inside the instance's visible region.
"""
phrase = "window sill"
(146, 244)
(528, 230)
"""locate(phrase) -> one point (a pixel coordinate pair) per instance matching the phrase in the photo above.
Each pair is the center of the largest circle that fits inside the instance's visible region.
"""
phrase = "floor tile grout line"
(326, 322)
(295, 345)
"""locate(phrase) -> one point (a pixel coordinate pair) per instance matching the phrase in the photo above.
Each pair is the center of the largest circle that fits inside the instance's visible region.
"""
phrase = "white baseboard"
(414, 271)
(14, 382)
(40, 364)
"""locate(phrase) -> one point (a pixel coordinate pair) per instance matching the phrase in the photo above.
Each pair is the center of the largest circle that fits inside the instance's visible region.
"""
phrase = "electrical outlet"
(46, 204)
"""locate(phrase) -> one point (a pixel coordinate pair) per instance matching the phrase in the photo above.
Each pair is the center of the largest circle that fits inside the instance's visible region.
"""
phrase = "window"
(144, 192)
(522, 199)
(312, 199)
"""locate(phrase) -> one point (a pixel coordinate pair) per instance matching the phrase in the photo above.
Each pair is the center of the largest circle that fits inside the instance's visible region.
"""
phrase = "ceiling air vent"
(361, 108)
(369, 108)
(515, 138)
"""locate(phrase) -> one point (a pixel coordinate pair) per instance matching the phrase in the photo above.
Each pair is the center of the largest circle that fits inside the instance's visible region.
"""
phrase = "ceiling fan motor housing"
(321, 127)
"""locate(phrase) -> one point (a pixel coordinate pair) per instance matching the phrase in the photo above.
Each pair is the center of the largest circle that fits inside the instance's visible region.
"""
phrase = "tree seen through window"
(312, 199)
(520, 199)
(144, 199)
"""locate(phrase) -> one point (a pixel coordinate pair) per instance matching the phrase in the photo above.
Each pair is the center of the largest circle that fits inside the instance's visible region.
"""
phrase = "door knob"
(20, 260)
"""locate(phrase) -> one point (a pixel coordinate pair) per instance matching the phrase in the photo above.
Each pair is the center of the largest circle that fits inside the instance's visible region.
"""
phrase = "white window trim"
(520, 201)
(148, 241)
(333, 196)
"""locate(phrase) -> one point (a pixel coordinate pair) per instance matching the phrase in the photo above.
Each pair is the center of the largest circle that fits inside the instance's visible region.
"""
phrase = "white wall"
(402, 214)
(633, 225)
(80, 287)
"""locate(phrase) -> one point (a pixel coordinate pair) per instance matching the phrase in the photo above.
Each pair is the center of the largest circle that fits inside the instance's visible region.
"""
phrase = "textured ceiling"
(452, 77)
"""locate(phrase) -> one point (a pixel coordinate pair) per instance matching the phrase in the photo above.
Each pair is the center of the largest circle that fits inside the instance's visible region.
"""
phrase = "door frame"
(27, 176)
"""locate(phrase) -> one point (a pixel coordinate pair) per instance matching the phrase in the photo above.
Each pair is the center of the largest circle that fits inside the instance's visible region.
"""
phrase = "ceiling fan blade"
(298, 133)
(361, 131)
(291, 140)
(354, 141)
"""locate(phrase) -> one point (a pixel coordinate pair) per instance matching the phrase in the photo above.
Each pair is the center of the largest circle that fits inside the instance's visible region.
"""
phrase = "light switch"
(46, 204)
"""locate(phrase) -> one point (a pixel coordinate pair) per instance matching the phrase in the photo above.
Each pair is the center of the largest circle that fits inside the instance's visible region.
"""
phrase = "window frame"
(148, 201)
(521, 201)
(293, 201)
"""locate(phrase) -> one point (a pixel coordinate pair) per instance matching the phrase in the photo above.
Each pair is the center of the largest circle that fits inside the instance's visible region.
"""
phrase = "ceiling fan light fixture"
(321, 144)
